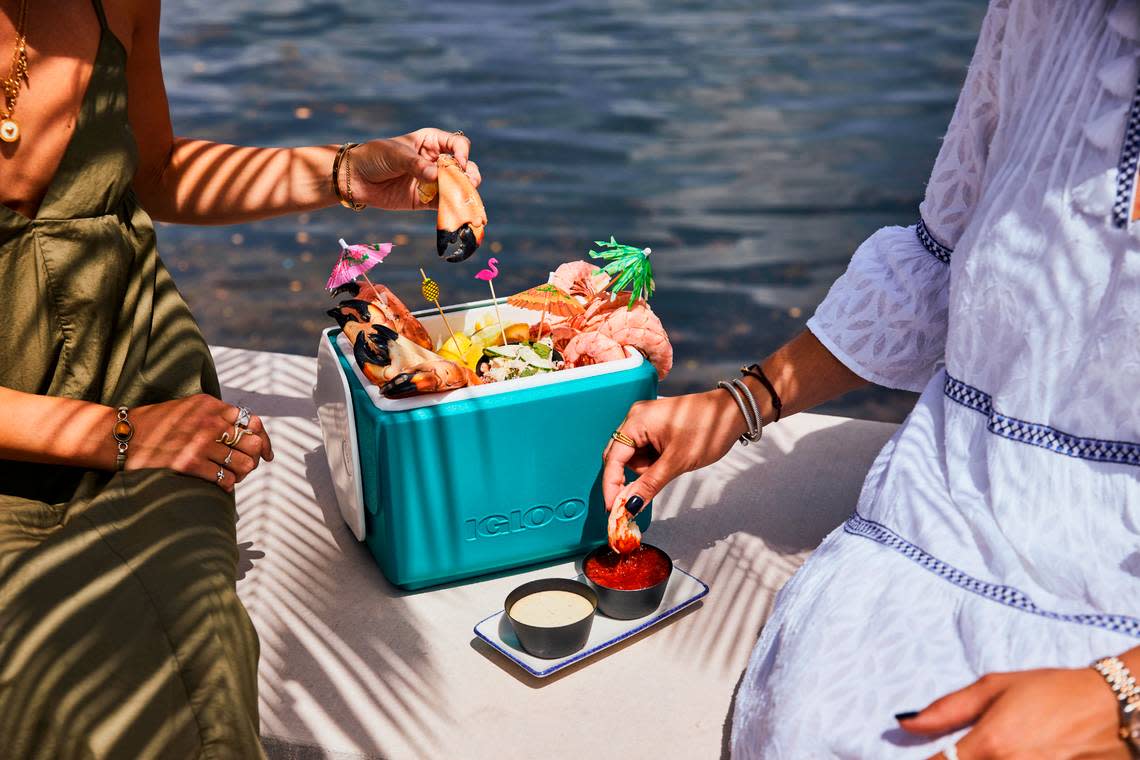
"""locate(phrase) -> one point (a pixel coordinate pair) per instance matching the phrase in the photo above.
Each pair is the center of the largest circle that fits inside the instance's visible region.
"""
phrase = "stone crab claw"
(376, 304)
(382, 353)
(352, 310)
(370, 348)
(403, 368)
(429, 377)
(354, 316)
(461, 219)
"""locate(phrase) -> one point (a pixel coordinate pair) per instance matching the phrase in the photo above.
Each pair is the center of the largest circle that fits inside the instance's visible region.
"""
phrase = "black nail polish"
(906, 715)
(634, 505)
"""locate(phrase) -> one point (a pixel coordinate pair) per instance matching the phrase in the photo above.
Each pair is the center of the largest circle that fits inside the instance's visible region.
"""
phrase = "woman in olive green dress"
(121, 635)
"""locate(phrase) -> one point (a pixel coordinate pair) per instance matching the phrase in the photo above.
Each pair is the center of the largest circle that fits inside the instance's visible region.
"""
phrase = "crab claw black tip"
(359, 304)
(340, 317)
(400, 385)
(372, 348)
(352, 310)
(385, 333)
(456, 245)
(352, 288)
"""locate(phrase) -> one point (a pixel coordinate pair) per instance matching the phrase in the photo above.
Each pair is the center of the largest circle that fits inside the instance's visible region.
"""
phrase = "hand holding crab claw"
(428, 168)
(389, 173)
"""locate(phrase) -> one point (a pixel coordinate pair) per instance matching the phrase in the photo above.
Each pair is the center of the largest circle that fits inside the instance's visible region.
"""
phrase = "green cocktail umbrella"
(628, 267)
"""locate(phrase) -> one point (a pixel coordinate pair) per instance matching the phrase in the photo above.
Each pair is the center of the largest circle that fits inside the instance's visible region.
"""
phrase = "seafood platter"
(464, 439)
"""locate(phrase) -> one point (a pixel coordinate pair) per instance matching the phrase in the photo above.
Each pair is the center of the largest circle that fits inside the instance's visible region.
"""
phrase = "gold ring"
(621, 437)
(229, 440)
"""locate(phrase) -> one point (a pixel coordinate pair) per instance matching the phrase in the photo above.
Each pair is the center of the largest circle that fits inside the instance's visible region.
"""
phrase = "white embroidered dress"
(999, 529)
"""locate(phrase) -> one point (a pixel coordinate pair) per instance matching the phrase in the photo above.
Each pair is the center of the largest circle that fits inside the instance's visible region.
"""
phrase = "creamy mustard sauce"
(551, 609)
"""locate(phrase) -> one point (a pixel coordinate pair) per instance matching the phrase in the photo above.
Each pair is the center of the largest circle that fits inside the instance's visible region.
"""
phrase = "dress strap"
(99, 12)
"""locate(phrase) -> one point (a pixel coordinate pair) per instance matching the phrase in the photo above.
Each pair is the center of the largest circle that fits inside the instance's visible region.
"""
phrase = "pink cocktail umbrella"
(355, 261)
(488, 275)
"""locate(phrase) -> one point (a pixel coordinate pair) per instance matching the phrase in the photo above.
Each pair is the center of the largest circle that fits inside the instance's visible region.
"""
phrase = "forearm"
(804, 374)
(1131, 660)
(53, 430)
(203, 182)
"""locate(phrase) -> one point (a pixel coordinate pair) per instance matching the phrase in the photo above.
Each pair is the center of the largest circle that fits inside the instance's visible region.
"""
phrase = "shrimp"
(580, 278)
(592, 348)
(640, 328)
(624, 535)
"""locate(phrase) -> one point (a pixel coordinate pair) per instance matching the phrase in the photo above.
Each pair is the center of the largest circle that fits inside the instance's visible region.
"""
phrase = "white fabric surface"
(354, 668)
(999, 529)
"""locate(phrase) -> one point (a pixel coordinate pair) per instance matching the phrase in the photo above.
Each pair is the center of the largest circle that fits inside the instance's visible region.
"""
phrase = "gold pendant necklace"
(17, 75)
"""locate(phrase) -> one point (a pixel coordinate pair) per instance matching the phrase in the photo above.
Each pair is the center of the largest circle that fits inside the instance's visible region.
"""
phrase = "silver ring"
(229, 458)
(221, 474)
(951, 752)
(243, 416)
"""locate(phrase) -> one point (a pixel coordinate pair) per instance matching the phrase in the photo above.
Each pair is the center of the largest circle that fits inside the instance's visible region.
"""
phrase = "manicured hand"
(1060, 714)
(182, 435)
(387, 173)
(672, 436)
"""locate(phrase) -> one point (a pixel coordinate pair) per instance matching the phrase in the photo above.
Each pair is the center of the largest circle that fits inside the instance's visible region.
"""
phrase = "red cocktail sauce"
(645, 566)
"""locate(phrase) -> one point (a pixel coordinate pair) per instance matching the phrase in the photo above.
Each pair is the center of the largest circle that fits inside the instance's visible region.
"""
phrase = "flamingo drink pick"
(488, 275)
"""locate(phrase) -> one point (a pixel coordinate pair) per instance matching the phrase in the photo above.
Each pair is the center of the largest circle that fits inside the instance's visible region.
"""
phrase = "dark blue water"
(753, 145)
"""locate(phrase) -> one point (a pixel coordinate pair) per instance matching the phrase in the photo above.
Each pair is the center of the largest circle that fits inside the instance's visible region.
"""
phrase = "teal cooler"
(452, 485)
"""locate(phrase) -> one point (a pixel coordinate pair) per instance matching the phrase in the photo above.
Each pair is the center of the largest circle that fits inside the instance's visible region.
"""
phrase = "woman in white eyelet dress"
(999, 529)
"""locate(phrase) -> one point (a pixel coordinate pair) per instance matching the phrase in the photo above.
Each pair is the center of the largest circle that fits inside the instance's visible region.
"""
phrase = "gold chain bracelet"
(345, 198)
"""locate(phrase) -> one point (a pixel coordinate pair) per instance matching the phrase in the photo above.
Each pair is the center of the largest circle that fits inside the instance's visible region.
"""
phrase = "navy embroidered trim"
(1043, 436)
(933, 247)
(858, 525)
(1126, 166)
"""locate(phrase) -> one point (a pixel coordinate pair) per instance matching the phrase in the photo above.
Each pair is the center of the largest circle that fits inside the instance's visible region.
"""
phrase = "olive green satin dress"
(121, 635)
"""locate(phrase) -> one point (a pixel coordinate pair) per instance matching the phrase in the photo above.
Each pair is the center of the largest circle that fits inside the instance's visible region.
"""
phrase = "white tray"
(683, 591)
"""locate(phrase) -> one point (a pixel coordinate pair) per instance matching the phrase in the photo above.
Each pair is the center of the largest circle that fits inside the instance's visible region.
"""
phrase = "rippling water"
(753, 145)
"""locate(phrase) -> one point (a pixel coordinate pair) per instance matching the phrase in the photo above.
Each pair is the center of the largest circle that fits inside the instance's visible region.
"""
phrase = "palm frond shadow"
(331, 647)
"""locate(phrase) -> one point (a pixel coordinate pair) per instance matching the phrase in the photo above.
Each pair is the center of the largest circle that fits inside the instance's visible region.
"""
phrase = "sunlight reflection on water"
(752, 145)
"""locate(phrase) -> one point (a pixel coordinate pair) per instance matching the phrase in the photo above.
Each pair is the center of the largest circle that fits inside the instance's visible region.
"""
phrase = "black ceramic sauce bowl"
(556, 641)
(628, 604)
